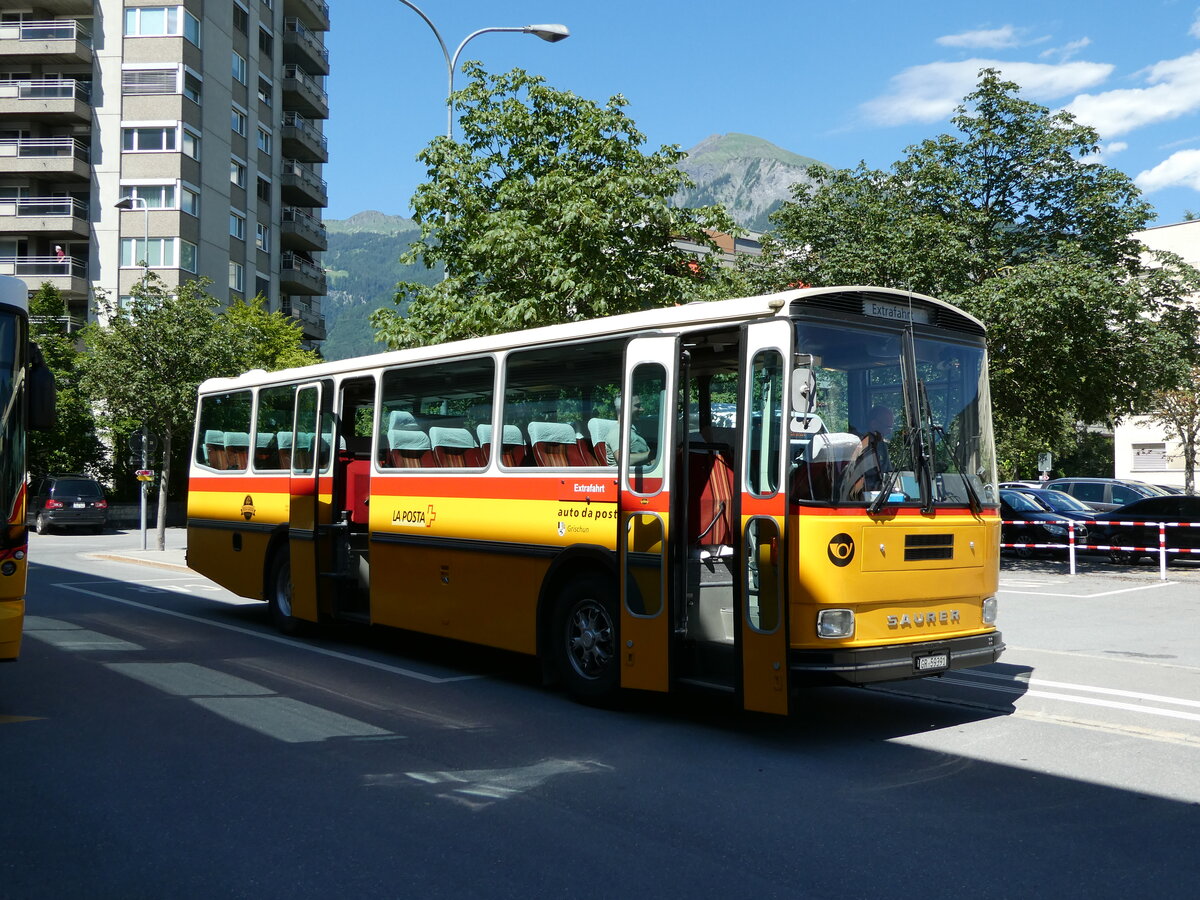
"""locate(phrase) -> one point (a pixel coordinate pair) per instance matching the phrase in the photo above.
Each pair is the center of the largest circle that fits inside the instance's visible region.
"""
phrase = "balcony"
(298, 275)
(313, 13)
(62, 157)
(302, 93)
(304, 47)
(305, 313)
(61, 41)
(44, 215)
(69, 275)
(59, 98)
(300, 231)
(302, 141)
(299, 185)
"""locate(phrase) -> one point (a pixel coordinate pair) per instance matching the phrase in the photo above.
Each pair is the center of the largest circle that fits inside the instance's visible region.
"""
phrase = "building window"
(191, 87)
(150, 81)
(237, 173)
(1149, 457)
(264, 139)
(239, 66)
(266, 43)
(156, 252)
(238, 122)
(189, 201)
(262, 237)
(237, 277)
(237, 225)
(161, 21)
(191, 143)
(264, 189)
(265, 90)
(155, 196)
(151, 139)
(241, 18)
(187, 256)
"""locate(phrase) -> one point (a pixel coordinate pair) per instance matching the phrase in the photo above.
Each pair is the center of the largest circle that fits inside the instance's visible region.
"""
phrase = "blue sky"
(838, 81)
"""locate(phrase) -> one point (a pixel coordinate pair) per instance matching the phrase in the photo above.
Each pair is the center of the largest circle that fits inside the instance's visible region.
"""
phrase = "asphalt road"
(158, 739)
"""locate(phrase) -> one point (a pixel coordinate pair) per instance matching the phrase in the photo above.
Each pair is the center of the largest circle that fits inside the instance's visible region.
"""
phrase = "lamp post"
(132, 203)
(551, 33)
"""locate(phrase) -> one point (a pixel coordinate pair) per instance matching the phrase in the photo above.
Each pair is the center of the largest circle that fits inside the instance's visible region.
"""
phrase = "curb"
(140, 561)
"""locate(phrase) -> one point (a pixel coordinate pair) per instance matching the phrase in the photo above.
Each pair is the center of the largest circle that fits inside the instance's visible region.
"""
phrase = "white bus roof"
(667, 319)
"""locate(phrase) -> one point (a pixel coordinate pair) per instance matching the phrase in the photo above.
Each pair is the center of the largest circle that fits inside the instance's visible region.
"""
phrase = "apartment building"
(184, 138)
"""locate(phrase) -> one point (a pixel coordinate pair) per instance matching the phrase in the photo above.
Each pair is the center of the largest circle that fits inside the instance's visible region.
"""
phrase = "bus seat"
(455, 448)
(237, 449)
(284, 441)
(710, 490)
(402, 420)
(512, 453)
(266, 450)
(554, 444)
(603, 433)
(358, 490)
(825, 458)
(214, 448)
(409, 450)
(302, 453)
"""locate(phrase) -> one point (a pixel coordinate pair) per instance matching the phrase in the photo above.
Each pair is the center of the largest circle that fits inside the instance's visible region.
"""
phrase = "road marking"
(1145, 587)
(480, 788)
(75, 638)
(1111, 692)
(275, 638)
(8, 720)
(1086, 701)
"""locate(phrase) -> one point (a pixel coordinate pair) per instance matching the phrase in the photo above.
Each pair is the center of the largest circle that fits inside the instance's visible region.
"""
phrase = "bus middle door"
(646, 460)
(309, 515)
(762, 622)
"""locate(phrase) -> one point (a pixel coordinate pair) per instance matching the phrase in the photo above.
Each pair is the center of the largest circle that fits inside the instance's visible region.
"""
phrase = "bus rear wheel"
(279, 593)
(587, 639)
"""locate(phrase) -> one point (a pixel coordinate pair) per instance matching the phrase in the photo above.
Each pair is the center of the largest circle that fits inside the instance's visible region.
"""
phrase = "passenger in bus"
(639, 450)
(871, 459)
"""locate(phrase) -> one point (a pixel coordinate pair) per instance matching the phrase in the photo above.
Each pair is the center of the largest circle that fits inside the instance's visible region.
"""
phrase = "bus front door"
(646, 459)
(762, 631)
(307, 512)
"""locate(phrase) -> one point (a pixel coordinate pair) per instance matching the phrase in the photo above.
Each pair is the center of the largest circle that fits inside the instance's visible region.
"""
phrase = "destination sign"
(896, 312)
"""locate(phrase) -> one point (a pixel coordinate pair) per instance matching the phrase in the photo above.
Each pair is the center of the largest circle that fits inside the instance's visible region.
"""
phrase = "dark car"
(67, 501)
(1169, 508)
(1039, 524)
(1104, 493)
(1063, 504)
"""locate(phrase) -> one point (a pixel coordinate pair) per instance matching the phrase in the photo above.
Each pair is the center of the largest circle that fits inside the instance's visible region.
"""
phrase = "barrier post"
(1071, 544)
(1162, 551)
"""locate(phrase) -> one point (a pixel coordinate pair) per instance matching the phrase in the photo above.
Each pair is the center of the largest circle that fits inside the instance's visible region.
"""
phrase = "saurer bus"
(26, 400)
(750, 495)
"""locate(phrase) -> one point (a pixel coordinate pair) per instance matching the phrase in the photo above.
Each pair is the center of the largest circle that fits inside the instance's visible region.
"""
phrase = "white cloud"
(931, 92)
(1180, 169)
(1174, 91)
(992, 39)
(1194, 31)
(1066, 51)
(1115, 147)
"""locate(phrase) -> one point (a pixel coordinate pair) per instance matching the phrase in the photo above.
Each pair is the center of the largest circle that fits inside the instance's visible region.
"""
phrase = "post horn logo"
(841, 549)
(248, 509)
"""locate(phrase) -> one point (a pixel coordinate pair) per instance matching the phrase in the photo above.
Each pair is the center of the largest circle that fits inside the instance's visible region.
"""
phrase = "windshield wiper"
(973, 499)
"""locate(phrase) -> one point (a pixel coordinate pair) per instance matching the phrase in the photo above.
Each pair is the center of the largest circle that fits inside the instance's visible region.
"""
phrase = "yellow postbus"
(26, 401)
(750, 494)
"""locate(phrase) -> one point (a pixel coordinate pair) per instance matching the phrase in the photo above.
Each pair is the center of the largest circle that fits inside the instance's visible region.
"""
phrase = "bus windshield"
(890, 418)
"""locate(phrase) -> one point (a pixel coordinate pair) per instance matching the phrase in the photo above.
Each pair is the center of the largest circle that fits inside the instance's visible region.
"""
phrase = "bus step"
(707, 685)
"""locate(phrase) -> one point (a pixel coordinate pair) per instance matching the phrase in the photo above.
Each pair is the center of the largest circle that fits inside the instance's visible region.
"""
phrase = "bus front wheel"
(279, 593)
(587, 639)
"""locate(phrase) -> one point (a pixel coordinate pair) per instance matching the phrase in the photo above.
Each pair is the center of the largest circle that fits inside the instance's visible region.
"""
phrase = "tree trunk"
(164, 479)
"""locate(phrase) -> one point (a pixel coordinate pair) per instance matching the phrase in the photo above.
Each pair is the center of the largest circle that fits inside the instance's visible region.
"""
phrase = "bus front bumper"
(894, 662)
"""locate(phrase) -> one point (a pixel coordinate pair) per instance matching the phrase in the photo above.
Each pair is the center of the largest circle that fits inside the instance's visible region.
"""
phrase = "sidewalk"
(173, 557)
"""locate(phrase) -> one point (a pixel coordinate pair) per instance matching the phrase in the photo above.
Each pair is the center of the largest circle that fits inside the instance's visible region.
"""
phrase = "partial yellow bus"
(751, 495)
(26, 401)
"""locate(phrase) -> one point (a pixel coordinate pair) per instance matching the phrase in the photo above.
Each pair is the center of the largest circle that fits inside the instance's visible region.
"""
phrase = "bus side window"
(223, 431)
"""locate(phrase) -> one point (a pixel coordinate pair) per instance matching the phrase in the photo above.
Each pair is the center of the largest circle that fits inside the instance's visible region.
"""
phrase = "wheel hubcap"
(590, 639)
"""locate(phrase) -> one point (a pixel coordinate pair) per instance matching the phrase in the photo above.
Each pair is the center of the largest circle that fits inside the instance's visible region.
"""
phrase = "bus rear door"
(762, 630)
(310, 449)
(646, 459)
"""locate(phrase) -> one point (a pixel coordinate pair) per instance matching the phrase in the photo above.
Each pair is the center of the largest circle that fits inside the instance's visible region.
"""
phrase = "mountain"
(750, 177)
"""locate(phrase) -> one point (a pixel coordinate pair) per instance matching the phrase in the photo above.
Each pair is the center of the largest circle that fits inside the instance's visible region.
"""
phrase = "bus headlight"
(835, 623)
(989, 610)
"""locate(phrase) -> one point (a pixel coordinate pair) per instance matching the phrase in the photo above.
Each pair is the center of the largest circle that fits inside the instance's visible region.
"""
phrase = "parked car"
(1063, 504)
(1104, 493)
(1167, 508)
(61, 501)
(1021, 485)
(1041, 525)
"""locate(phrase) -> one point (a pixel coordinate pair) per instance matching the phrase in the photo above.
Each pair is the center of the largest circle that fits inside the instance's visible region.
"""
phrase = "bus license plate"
(932, 662)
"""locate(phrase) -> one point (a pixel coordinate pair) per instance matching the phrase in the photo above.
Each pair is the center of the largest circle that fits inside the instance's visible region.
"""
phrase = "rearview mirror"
(804, 391)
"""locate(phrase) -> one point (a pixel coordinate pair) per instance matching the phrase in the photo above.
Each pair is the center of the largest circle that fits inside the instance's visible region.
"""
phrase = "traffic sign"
(145, 474)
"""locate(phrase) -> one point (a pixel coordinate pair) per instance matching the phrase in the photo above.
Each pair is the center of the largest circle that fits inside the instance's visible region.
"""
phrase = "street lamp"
(132, 203)
(551, 33)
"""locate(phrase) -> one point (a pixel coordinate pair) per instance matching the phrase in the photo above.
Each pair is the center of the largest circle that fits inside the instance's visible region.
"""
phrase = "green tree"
(72, 445)
(147, 359)
(546, 211)
(1011, 220)
(1178, 412)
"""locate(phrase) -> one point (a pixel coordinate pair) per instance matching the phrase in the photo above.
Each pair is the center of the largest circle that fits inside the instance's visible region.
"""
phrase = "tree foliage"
(147, 358)
(545, 211)
(1178, 412)
(72, 445)
(1012, 220)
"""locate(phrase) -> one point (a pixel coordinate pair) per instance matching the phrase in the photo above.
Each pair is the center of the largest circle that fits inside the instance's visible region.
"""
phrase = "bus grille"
(918, 547)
